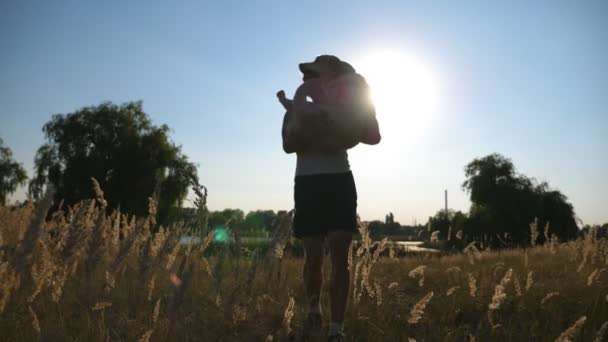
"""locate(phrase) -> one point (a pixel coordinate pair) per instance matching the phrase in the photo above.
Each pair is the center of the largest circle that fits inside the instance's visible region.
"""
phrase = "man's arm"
(291, 142)
(306, 138)
(288, 145)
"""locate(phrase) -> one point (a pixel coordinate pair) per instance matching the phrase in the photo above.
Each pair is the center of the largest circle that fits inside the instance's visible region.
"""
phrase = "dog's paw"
(281, 95)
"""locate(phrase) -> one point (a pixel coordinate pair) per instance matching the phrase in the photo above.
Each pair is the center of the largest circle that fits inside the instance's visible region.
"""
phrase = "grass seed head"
(569, 334)
(418, 310)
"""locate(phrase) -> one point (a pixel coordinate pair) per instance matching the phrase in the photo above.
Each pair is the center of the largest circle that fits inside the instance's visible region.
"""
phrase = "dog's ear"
(334, 63)
(337, 65)
(346, 68)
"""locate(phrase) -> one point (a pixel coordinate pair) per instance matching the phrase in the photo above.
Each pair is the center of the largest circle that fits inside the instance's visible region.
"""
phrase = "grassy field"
(83, 275)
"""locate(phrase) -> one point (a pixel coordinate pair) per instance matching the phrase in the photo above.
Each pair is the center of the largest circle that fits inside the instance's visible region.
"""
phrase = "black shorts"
(323, 203)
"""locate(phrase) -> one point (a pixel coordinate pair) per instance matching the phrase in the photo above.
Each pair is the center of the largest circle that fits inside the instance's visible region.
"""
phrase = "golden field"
(81, 274)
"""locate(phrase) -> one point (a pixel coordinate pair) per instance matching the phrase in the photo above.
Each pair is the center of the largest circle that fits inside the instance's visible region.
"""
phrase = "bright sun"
(404, 91)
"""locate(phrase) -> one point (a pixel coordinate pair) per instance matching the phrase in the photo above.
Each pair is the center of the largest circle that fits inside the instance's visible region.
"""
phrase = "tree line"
(505, 207)
(135, 162)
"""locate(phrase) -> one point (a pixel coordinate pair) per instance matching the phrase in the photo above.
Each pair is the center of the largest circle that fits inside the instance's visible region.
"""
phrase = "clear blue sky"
(529, 81)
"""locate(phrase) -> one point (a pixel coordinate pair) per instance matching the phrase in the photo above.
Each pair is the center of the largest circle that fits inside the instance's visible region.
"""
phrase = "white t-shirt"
(316, 163)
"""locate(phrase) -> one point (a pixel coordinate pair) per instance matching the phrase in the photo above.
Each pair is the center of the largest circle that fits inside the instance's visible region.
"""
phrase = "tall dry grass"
(81, 273)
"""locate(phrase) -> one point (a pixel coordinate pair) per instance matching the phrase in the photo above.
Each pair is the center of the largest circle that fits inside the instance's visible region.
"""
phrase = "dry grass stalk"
(529, 280)
(101, 306)
(158, 242)
(35, 322)
(288, 315)
(599, 336)
(356, 282)
(418, 310)
(239, 313)
(393, 285)
(497, 266)
(146, 336)
(110, 281)
(569, 334)
(595, 276)
(156, 311)
(451, 290)
(206, 241)
(591, 278)
(435, 236)
(378, 290)
(500, 293)
(588, 247)
(517, 285)
(218, 300)
(365, 264)
(583, 262)
(59, 278)
(206, 266)
(22, 258)
(152, 210)
(10, 282)
(491, 320)
(553, 243)
(350, 256)
(453, 269)
(98, 193)
(366, 241)
(380, 247)
(546, 233)
(150, 287)
(171, 257)
(472, 252)
(472, 284)
(534, 232)
(418, 272)
(42, 270)
(548, 296)
(111, 236)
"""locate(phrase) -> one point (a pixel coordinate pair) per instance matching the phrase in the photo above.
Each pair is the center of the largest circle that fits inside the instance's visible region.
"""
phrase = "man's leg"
(313, 267)
(339, 244)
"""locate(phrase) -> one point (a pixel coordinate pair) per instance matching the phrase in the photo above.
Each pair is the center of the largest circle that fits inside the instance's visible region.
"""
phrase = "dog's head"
(325, 66)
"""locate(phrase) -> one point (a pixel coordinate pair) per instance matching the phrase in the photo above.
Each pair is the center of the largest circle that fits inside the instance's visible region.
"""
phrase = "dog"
(340, 104)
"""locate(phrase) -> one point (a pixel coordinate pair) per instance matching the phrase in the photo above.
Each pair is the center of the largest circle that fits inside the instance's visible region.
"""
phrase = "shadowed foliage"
(120, 147)
(12, 173)
(505, 202)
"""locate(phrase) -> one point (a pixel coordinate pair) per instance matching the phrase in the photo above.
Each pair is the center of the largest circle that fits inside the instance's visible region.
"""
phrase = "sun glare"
(404, 91)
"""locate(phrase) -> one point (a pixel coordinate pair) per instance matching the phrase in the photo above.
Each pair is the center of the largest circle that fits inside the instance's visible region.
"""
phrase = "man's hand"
(281, 95)
(287, 103)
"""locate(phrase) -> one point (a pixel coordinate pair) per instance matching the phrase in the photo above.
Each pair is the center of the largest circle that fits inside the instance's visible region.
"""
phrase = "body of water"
(407, 246)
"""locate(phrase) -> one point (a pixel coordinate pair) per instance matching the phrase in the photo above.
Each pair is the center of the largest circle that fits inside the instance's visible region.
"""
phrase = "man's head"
(325, 66)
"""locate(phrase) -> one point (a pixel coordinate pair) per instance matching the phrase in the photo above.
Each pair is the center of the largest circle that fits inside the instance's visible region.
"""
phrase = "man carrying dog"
(325, 198)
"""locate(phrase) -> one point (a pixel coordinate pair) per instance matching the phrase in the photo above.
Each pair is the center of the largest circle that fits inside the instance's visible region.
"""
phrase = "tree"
(231, 217)
(504, 203)
(443, 221)
(12, 173)
(120, 147)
